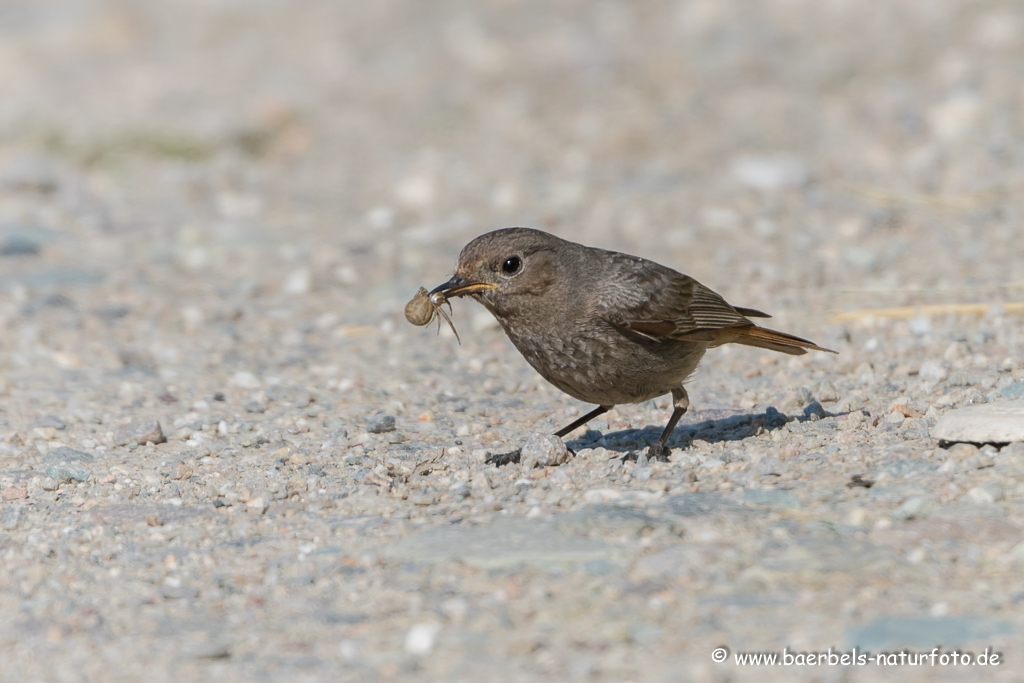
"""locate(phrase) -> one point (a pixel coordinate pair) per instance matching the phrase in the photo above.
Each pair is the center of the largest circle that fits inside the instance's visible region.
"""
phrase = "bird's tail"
(763, 338)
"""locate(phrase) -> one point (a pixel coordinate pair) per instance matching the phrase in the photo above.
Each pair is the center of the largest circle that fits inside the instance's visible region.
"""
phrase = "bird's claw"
(499, 459)
(658, 452)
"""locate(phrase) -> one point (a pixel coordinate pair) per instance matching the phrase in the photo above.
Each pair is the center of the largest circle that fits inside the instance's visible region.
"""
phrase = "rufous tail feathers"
(764, 338)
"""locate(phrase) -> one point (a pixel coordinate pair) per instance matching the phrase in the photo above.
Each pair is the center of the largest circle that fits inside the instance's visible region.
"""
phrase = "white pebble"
(421, 638)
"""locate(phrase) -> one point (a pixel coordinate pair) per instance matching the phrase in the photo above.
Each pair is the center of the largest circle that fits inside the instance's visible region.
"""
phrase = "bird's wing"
(658, 302)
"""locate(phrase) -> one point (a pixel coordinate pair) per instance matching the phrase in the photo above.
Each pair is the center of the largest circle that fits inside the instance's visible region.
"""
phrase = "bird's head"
(506, 269)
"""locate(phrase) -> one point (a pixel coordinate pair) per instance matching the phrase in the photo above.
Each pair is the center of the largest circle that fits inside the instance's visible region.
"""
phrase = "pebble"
(984, 423)
(827, 391)
(420, 638)
(932, 371)
(14, 493)
(254, 406)
(246, 380)
(63, 454)
(770, 173)
(65, 475)
(19, 245)
(423, 497)
(10, 518)
(48, 420)
(543, 450)
(914, 507)
(380, 423)
(142, 432)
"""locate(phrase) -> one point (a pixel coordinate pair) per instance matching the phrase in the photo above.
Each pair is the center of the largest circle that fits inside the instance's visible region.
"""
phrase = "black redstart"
(602, 326)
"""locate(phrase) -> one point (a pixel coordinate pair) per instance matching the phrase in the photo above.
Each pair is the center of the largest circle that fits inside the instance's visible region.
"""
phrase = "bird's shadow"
(713, 426)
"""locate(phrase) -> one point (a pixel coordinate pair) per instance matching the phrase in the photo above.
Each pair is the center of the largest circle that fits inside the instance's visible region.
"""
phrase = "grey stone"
(142, 432)
(774, 499)
(543, 450)
(914, 507)
(380, 423)
(827, 391)
(48, 420)
(423, 497)
(1015, 390)
(19, 245)
(890, 633)
(63, 454)
(65, 475)
(985, 423)
(254, 405)
(770, 173)
(10, 518)
(505, 543)
(933, 371)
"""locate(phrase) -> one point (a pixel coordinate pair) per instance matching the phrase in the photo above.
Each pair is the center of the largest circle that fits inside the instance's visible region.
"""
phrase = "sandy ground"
(212, 214)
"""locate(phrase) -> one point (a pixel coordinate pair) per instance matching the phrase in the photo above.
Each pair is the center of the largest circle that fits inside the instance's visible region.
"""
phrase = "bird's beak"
(460, 286)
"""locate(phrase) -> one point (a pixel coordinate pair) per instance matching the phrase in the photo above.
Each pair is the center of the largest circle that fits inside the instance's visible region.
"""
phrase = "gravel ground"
(225, 455)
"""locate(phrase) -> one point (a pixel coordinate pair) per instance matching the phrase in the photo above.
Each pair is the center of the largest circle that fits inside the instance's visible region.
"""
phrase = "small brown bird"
(602, 326)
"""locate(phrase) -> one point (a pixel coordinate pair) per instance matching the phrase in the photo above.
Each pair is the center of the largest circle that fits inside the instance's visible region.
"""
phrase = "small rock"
(246, 380)
(143, 432)
(770, 173)
(10, 518)
(421, 638)
(19, 245)
(1015, 390)
(65, 475)
(933, 371)
(985, 495)
(915, 507)
(895, 418)
(543, 450)
(380, 423)
(423, 497)
(298, 282)
(481, 484)
(63, 454)
(984, 423)
(1013, 452)
(827, 391)
(48, 420)
(254, 406)
(14, 493)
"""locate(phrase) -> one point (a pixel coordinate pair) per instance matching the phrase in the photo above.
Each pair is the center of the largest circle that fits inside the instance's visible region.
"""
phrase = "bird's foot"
(658, 451)
(499, 459)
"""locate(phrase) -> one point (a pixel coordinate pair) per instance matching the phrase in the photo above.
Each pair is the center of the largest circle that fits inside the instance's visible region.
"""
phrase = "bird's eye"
(511, 265)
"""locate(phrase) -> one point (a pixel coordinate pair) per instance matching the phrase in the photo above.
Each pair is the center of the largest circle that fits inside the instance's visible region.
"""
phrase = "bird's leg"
(681, 402)
(600, 410)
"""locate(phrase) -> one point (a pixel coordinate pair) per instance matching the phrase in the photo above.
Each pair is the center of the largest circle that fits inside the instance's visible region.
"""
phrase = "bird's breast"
(596, 362)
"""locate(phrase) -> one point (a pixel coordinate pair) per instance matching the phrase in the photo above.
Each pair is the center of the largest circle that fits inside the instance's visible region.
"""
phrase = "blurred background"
(787, 153)
(210, 209)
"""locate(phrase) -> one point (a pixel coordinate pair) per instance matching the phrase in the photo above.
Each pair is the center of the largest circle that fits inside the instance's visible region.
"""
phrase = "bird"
(605, 327)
